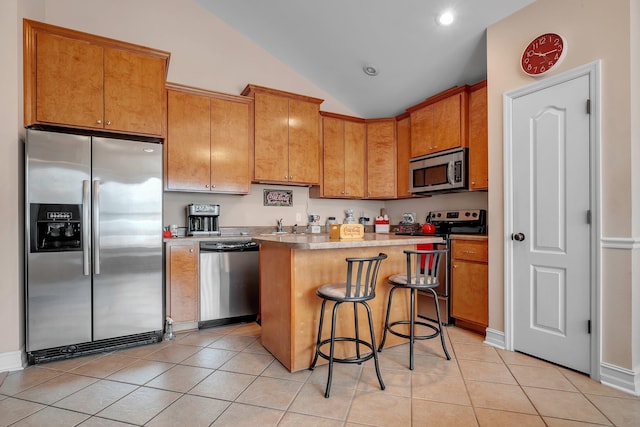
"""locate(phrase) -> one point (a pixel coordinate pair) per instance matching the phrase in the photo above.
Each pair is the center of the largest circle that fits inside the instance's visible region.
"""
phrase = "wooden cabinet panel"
(230, 146)
(381, 159)
(79, 80)
(440, 122)
(207, 147)
(188, 137)
(134, 93)
(403, 155)
(333, 155)
(470, 250)
(449, 131)
(68, 69)
(304, 142)
(271, 137)
(478, 137)
(286, 136)
(469, 295)
(344, 144)
(469, 284)
(182, 281)
(355, 142)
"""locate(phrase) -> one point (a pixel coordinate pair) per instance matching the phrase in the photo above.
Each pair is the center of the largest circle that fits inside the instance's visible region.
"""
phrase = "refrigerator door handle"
(96, 226)
(86, 238)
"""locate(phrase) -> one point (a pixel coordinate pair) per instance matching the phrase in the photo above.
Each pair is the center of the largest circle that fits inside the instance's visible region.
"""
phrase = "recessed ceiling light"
(445, 18)
(370, 70)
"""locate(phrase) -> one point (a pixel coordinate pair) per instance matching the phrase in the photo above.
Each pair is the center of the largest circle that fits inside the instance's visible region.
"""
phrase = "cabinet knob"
(191, 250)
(108, 122)
(213, 186)
(98, 122)
(206, 186)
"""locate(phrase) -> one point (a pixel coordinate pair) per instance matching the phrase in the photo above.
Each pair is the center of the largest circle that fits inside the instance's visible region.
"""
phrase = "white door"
(551, 224)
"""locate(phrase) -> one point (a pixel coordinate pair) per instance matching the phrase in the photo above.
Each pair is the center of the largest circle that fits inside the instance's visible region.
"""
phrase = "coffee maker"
(202, 219)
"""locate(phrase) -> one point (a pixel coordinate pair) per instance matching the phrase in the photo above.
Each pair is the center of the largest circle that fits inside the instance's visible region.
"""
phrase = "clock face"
(542, 54)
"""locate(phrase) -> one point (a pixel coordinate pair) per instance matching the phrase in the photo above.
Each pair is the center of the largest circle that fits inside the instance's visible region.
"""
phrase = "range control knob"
(475, 214)
(467, 213)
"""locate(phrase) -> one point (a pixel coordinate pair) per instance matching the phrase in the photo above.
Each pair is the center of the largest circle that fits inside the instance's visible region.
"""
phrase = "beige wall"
(594, 30)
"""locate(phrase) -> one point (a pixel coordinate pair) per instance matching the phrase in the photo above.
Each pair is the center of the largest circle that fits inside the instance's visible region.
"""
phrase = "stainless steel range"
(447, 223)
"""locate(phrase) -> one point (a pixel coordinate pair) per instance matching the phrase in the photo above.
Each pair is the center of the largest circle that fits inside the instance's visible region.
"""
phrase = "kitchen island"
(293, 266)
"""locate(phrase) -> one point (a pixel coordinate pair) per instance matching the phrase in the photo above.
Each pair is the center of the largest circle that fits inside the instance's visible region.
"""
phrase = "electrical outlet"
(298, 216)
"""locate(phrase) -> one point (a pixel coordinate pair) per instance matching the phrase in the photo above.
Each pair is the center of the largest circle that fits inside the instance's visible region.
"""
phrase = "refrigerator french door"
(93, 242)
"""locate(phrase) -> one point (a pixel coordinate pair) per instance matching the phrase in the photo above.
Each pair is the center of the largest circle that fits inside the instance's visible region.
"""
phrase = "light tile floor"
(224, 377)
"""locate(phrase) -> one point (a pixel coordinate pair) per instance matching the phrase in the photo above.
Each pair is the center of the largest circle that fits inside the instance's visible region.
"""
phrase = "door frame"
(593, 71)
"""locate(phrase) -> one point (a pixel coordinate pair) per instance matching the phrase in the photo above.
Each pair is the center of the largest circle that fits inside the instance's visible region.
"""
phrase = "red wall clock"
(543, 54)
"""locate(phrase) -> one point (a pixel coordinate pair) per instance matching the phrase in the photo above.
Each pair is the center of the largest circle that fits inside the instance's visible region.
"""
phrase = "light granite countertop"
(322, 241)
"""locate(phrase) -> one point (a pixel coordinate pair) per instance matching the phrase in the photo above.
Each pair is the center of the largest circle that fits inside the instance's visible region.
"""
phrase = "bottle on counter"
(330, 220)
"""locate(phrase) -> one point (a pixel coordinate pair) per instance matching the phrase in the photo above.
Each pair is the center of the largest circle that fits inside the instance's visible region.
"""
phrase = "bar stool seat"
(359, 288)
(423, 267)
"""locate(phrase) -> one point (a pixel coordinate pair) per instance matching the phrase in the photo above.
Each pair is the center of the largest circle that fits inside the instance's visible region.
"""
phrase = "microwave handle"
(450, 173)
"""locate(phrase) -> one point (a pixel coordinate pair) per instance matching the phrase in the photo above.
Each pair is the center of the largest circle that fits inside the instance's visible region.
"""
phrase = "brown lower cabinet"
(182, 283)
(469, 284)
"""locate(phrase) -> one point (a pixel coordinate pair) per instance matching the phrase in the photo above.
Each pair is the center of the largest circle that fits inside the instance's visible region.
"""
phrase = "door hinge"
(589, 216)
(589, 326)
(588, 106)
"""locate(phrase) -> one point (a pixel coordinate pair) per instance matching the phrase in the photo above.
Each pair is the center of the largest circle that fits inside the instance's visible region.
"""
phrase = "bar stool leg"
(355, 317)
(315, 357)
(386, 320)
(412, 326)
(373, 346)
(331, 348)
(444, 346)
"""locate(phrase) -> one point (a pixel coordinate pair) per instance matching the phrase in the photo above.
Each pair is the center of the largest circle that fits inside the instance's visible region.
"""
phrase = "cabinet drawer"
(470, 250)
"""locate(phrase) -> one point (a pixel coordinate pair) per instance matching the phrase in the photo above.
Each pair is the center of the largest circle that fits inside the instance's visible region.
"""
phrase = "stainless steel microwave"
(445, 171)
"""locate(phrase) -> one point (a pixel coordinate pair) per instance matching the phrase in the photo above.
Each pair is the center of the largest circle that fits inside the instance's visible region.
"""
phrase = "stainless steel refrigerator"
(93, 244)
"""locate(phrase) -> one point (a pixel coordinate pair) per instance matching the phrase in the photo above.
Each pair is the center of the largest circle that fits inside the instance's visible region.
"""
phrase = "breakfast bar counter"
(293, 266)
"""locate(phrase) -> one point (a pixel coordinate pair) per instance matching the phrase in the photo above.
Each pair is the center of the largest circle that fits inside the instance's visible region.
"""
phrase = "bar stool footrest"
(415, 337)
(352, 359)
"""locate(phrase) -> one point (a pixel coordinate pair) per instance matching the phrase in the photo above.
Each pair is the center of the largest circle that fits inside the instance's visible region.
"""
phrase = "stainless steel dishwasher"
(229, 282)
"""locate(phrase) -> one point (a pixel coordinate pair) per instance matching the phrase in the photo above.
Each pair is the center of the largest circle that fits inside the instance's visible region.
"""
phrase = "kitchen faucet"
(279, 221)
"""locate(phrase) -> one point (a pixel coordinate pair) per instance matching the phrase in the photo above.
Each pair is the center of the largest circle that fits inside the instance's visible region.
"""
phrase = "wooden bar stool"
(359, 288)
(421, 275)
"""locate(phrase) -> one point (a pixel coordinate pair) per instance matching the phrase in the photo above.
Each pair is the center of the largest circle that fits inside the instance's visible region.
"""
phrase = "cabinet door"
(469, 295)
(182, 282)
(271, 138)
(68, 81)
(381, 159)
(355, 144)
(447, 123)
(229, 146)
(403, 155)
(134, 94)
(333, 152)
(421, 131)
(188, 142)
(304, 142)
(478, 140)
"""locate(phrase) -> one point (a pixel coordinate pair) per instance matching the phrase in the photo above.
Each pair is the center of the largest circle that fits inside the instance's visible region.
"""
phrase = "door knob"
(518, 236)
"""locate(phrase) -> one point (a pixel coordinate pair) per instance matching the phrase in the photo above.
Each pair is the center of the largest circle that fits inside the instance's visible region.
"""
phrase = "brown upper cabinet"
(344, 157)
(403, 135)
(78, 80)
(478, 137)
(440, 122)
(208, 140)
(381, 158)
(286, 136)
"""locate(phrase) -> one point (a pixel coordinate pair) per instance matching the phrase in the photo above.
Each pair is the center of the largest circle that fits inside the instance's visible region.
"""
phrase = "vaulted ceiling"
(330, 41)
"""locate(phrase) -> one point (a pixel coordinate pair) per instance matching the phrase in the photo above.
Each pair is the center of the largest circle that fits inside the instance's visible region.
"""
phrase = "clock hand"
(546, 53)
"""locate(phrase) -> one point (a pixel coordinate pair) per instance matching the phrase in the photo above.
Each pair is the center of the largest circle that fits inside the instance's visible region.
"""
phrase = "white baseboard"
(620, 378)
(494, 338)
(12, 360)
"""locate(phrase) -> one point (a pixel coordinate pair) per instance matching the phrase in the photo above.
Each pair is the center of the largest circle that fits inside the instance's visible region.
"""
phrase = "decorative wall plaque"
(278, 197)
